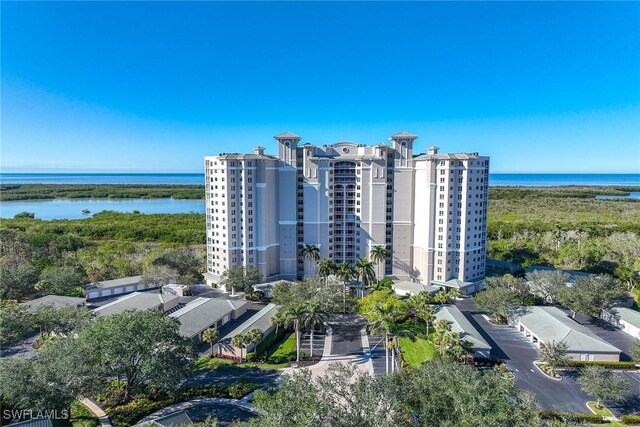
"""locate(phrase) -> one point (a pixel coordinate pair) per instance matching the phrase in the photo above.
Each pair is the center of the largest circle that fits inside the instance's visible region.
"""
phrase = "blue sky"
(154, 87)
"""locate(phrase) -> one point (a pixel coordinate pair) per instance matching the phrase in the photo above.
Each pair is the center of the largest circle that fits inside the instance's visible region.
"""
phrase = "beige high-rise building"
(428, 210)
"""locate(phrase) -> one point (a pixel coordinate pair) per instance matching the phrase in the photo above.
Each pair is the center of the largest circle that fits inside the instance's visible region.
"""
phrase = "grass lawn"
(277, 357)
(603, 412)
(416, 352)
(82, 417)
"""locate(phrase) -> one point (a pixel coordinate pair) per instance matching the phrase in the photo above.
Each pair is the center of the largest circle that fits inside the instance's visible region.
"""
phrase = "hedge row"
(609, 365)
(630, 419)
(571, 416)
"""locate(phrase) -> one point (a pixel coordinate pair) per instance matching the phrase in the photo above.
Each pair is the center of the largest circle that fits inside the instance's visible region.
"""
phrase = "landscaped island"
(10, 192)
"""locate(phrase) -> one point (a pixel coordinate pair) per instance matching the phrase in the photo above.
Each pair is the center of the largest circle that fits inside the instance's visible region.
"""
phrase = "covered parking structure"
(460, 324)
(542, 325)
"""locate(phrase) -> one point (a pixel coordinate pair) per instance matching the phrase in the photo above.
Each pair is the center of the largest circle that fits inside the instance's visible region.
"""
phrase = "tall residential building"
(428, 210)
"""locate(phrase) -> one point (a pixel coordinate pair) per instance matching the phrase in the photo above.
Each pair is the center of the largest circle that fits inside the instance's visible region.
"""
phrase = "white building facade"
(428, 210)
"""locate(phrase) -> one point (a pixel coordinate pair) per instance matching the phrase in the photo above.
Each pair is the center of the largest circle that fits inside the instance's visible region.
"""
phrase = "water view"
(73, 208)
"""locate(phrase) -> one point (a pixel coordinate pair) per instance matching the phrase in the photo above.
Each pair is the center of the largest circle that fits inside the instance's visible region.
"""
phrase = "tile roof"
(552, 324)
(404, 134)
(286, 135)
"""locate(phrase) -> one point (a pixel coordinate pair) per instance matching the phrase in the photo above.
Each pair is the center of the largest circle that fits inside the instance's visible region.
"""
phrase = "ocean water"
(495, 179)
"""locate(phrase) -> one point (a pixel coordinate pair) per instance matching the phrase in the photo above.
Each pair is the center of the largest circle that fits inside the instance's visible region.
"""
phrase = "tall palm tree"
(313, 318)
(443, 336)
(279, 320)
(427, 315)
(240, 341)
(326, 268)
(364, 270)
(346, 274)
(210, 336)
(384, 322)
(310, 253)
(294, 316)
(378, 255)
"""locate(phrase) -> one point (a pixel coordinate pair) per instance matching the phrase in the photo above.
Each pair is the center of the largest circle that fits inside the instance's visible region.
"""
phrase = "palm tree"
(310, 253)
(278, 319)
(453, 294)
(364, 270)
(378, 255)
(239, 341)
(384, 322)
(313, 317)
(254, 336)
(441, 297)
(459, 348)
(326, 268)
(346, 274)
(427, 315)
(210, 336)
(294, 316)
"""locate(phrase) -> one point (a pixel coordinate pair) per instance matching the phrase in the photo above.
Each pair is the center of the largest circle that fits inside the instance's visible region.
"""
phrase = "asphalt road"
(518, 354)
(346, 334)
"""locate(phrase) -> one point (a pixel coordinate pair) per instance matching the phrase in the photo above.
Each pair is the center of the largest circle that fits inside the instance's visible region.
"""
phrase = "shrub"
(239, 389)
(129, 413)
(608, 365)
(630, 419)
(571, 416)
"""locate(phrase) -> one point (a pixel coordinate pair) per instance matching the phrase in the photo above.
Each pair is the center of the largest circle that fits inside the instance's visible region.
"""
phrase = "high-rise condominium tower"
(428, 210)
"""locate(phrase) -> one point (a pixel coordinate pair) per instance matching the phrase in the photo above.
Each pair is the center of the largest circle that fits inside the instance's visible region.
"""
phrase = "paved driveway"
(632, 404)
(518, 354)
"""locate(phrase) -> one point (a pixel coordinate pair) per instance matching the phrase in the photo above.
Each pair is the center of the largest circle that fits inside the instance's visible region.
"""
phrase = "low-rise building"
(466, 287)
(410, 288)
(543, 325)
(624, 318)
(138, 301)
(57, 301)
(460, 324)
(573, 274)
(202, 313)
(109, 288)
(261, 320)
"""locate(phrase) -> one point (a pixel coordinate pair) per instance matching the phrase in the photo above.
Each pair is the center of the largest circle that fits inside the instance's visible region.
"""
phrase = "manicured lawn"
(603, 412)
(416, 352)
(284, 349)
(277, 357)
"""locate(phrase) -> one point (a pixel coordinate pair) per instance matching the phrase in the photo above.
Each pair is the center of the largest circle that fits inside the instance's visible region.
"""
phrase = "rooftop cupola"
(259, 151)
(433, 150)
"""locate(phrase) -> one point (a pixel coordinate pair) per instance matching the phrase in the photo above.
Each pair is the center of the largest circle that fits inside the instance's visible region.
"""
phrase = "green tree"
(326, 268)
(60, 281)
(18, 279)
(345, 273)
(279, 320)
(240, 341)
(603, 384)
(310, 253)
(186, 261)
(254, 336)
(15, 322)
(547, 283)
(497, 300)
(385, 318)
(138, 347)
(378, 255)
(364, 272)
(555, 354)
(60, 321)
(635, 351)
(210, 336)
(441, 297)
(160, 274)
(368, 306)
(294, 317)
(239, 277)
(427, 315)
(591, 295)
(314, 317)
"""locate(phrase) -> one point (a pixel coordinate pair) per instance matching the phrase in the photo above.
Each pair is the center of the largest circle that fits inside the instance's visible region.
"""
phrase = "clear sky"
(154, 87)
